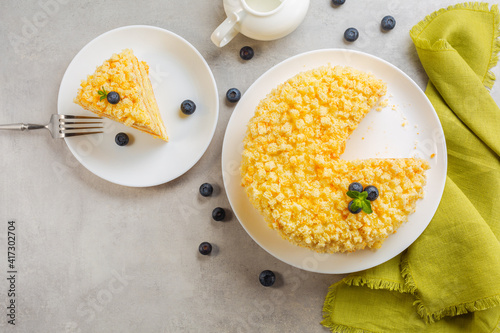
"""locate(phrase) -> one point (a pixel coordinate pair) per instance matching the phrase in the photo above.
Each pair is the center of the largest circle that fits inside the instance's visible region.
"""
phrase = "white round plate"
(407, 127)
(177, 72)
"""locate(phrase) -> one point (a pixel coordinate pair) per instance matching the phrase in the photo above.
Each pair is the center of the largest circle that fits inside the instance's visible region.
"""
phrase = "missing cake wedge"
(125, 75)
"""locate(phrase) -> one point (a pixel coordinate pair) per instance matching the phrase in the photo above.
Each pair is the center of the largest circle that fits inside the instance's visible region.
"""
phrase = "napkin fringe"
(360, 281)
(329, 301)
(455, 310)
(489, 78)
(406, 274)
(345, 329)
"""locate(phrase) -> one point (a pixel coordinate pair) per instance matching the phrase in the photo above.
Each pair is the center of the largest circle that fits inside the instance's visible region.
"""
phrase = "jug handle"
(226, 30)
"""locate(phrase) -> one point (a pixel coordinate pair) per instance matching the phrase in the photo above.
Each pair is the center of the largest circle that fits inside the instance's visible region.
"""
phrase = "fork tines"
(70, 125)
(69, 116)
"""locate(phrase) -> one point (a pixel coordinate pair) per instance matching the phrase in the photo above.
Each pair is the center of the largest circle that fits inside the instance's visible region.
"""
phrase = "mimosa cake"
(293, 174)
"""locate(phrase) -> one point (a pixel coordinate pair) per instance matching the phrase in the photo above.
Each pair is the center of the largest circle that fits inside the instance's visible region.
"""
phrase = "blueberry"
(206, 189)
(113, 97)
(350, 209)
(351, 34)
(246, 53)
(233, 95)
(205, 248)
(121, 139)
(356, 187)
(188, 107)
(218, 214)
(372, 192)
(267, 278)
(388, 23)
(338, 2)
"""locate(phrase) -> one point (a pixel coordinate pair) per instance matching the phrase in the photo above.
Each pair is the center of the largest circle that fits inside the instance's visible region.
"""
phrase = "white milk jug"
(260, 19)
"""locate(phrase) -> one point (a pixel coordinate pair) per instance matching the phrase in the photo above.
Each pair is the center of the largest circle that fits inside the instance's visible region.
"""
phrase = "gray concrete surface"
(92, 256)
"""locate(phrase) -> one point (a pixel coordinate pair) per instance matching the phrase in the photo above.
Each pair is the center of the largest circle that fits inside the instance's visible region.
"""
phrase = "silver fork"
(62, 125)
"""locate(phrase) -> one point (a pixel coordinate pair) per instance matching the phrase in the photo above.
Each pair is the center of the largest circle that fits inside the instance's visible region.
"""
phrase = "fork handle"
(21, 127)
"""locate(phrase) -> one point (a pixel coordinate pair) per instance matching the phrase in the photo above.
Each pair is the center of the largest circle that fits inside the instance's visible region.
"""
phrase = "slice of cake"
(293, 174)
(135, 105)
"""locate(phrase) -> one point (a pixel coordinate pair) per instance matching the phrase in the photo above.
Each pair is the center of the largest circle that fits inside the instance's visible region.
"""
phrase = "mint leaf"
(102, 93)
(353, 194)
(366, 206)
(356, 205)
(360, 201)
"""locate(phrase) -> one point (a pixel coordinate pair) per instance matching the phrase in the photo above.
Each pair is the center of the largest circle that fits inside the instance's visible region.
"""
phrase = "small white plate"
(407, 127)
(177, 72)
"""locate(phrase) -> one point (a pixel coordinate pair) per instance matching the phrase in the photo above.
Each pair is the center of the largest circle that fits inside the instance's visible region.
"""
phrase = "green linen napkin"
(448, 280)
